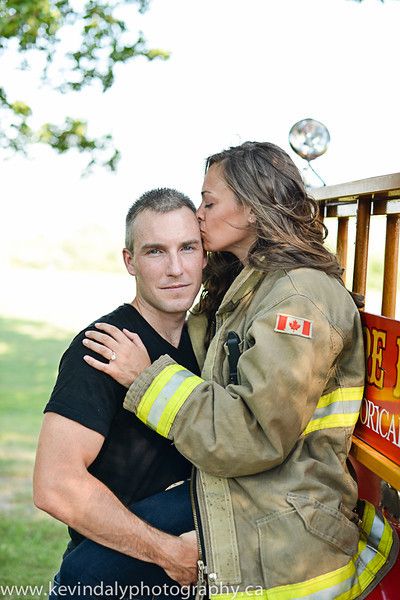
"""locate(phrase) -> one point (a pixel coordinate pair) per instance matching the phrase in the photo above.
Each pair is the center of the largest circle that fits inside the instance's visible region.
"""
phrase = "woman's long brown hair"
(290, 234)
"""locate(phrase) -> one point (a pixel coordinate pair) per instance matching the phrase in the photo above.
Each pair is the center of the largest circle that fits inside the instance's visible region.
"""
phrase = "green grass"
(31, 543)
(30, 551)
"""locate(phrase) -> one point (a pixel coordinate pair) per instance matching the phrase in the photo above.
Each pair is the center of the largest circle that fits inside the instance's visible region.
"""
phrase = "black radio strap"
(232, 342)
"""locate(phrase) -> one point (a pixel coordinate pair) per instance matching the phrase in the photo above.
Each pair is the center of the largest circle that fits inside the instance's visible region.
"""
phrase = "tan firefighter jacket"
(274, 494)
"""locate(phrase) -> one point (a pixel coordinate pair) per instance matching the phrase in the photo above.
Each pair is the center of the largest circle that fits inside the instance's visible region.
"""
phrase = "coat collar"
(244, 284)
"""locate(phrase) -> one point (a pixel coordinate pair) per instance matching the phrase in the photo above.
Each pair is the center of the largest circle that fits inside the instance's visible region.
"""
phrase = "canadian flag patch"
(293, 325)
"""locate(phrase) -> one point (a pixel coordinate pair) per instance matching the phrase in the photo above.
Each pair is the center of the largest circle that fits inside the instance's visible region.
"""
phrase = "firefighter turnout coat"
(273, 491)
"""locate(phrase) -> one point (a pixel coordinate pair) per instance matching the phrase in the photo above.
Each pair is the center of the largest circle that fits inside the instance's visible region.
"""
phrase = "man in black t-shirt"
(134, 462)
(95, 459)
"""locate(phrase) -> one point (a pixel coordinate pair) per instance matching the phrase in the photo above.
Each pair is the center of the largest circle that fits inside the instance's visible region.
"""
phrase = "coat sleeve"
(252, 426)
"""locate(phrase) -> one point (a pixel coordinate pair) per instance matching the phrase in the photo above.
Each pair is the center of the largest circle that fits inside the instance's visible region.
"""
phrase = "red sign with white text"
(379, 422)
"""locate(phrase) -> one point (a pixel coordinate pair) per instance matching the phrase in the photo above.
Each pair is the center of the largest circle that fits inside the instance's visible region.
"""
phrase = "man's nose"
(174, 265)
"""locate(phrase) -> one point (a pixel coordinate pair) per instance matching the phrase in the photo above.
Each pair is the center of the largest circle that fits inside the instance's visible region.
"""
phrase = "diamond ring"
(113, 355)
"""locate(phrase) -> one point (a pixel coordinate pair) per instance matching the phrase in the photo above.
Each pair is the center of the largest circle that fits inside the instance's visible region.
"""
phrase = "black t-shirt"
(134, 461)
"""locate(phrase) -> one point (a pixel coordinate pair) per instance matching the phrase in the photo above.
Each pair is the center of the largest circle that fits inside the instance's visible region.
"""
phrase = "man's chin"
(178, 306)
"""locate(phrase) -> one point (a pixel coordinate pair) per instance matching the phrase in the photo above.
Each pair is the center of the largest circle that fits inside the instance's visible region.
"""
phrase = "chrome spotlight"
(309, 139)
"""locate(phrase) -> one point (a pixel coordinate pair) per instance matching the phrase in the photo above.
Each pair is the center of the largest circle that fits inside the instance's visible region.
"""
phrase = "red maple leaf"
(294, 325)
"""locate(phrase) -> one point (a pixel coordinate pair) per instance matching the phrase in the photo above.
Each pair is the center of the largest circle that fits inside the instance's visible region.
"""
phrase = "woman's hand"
(125, 350)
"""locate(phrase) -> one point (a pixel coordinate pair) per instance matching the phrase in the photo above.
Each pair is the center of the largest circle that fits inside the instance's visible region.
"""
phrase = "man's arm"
(65, 489)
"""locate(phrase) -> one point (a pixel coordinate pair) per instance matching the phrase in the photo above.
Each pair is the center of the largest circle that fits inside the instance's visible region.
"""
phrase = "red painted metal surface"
(379, 423)
(369, 488)
(388, 589)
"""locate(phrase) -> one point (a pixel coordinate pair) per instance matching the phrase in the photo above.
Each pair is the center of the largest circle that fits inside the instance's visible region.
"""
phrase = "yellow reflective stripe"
(387, 540)
(175, 403)
(297, 591)
(154, 389)
(381, 556)
(316, 584)
(341, 395)
(332, 421)
(342, 417)
(258, 593)
(368, 518)
(320, 587)
(373, 566)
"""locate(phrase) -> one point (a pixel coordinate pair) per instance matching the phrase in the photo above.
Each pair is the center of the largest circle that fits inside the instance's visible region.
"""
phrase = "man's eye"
(188, 247)
(154, 251)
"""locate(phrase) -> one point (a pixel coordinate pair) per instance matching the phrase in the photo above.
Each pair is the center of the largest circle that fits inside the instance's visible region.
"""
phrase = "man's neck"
(168, 325)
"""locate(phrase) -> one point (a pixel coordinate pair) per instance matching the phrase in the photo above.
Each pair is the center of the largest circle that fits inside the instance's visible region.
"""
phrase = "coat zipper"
(201, 567)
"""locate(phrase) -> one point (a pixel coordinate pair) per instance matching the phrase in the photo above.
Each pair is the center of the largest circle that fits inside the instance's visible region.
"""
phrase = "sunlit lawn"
(31, 543)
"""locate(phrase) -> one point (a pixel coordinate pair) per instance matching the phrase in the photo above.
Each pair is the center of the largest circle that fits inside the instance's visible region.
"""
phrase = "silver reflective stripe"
(376, 531)
(161, 401)
(360, 564)
(337, 408)
(344, 586)
(366, 555)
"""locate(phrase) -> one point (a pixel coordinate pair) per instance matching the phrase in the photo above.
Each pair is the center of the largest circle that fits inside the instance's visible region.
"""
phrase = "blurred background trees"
(75, 45)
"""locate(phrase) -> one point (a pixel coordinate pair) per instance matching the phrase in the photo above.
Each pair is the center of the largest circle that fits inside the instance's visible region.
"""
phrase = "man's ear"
(128, 261)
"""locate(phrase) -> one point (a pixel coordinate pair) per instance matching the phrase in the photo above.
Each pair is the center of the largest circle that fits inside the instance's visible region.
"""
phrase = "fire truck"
(375, 453)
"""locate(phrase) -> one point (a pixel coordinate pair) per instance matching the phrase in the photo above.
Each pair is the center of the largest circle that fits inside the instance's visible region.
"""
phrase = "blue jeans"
(112, 575)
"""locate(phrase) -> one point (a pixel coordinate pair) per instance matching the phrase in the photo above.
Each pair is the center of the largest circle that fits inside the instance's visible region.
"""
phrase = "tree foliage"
(39, 27)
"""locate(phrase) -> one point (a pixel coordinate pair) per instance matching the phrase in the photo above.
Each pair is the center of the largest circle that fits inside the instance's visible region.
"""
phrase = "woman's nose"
(200, 213)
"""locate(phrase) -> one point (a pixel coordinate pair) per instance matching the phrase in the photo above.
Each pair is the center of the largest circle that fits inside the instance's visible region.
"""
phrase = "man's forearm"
(87, 505)
(65, 489)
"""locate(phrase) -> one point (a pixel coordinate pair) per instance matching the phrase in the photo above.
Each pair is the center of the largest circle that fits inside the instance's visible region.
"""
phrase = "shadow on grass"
(31, 543)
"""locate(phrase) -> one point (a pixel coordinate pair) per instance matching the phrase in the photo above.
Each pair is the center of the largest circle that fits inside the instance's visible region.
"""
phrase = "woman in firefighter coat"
(268, 425)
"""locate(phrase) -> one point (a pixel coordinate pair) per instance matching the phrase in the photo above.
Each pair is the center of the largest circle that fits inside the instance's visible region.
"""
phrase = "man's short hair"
(161, 200)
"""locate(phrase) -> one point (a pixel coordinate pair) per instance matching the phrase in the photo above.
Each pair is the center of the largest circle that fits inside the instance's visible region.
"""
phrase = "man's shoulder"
(122, 316)
(82, 393)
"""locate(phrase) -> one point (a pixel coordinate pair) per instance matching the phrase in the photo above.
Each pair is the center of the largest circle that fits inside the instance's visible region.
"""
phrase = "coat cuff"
(159, 392)
(143, 382)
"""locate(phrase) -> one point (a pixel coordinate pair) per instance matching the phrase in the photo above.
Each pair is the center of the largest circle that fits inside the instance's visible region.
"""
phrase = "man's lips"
(175, 286)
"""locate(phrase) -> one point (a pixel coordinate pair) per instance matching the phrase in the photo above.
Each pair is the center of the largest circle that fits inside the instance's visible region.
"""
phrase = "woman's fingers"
(112, 368)
(97, 364)
(113, 336)
(105, 351)
(130, 335)
(102, 338)
(133, 337)
(125, 350)
(111, 330)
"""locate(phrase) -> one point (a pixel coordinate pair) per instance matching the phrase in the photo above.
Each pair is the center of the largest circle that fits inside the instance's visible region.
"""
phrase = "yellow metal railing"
(362, 200)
